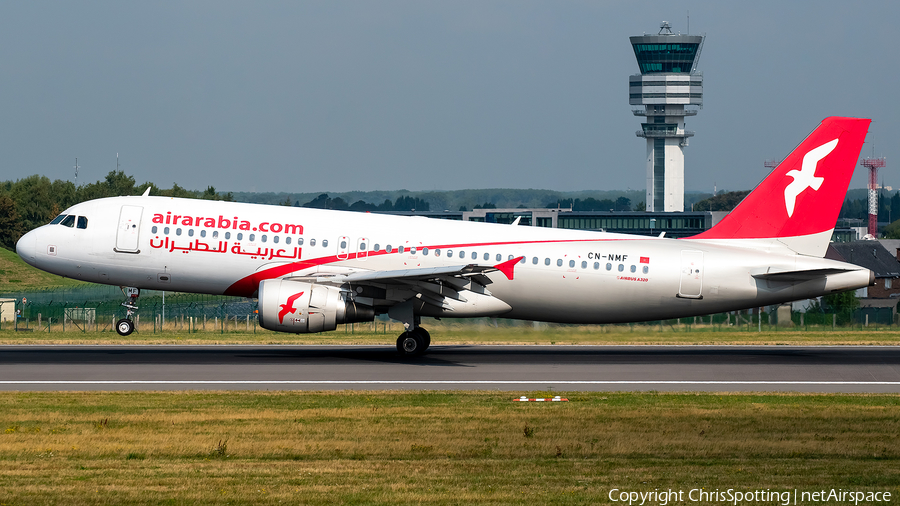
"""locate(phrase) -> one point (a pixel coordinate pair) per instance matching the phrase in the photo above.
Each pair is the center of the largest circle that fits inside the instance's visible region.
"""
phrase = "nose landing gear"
(125, 326)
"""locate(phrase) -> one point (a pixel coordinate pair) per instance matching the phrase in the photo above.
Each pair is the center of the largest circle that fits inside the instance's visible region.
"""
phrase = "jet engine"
(298, 307)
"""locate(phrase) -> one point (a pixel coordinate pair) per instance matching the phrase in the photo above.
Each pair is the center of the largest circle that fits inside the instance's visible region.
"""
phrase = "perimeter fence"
(98, 307)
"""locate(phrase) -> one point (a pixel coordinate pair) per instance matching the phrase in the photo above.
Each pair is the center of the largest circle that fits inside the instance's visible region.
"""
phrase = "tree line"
(403, 203)
(28, 203)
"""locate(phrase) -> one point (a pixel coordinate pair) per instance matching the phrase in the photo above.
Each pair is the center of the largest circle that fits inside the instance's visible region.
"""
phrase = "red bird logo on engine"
(288, 308)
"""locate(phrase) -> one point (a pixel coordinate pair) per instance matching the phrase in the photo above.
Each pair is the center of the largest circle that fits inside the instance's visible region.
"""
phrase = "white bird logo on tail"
(806, 176)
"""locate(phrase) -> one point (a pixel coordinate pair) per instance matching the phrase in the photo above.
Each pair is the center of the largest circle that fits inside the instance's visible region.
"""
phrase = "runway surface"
(508, 368)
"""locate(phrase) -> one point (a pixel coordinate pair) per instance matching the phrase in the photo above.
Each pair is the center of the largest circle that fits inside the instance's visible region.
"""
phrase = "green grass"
(434, 447)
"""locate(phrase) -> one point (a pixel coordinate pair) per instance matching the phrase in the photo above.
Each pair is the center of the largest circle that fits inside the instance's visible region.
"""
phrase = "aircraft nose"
(26, 247)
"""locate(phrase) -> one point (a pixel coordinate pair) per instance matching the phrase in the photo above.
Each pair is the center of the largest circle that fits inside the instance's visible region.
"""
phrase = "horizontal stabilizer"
(792, 276)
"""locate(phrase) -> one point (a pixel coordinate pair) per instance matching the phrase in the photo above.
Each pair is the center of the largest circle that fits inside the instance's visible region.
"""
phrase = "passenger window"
(166, 230)
(462, 254)
(633, 268)
(571, 263)
(584, 265)
(377, 247)
(362, 246)
(425, 251)
(82, 222)
(559, 262)
(646, 269)
(449, 253)
(401, 249)
(312, 242)
(500, 257)
(437, 252)
(474, 255)
(621, 267)
(215, 234)
(343, 244)
(240, 236)
(264, 238)
(252, 237)
(487, 256)
(546, 261)
(324, 243)
(178, 231)
(227, 235)
(522, 260)
(300, 241)
(287, 240)
(412, 251)
(596, 265)
(69, 221)
(203, 233)
(191, 232)
(275, 239)
(534, 260)
(388, 248)
(58, 219)
(153, 230)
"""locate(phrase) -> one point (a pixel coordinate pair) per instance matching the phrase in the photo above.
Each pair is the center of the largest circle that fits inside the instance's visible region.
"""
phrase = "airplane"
(312, 269)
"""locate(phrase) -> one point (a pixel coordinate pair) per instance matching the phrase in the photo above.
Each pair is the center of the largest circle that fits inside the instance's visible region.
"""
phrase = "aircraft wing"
(431, 285)
(403, 275)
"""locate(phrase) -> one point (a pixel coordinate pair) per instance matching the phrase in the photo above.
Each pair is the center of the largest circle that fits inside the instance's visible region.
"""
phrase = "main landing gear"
(125, 326)
(413, 342)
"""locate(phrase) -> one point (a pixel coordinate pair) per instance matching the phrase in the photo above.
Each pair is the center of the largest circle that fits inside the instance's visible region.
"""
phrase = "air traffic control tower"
(668, 82)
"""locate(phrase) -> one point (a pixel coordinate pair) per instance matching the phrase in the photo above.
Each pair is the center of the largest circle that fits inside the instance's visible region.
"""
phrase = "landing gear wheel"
(410, 344)
(124, 327)
(426, 337)
(414, 342)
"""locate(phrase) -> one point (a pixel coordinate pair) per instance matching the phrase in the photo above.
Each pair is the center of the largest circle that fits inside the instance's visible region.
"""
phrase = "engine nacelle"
(298, 307)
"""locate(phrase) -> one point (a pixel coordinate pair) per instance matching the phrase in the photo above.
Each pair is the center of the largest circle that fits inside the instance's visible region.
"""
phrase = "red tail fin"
(802, 197)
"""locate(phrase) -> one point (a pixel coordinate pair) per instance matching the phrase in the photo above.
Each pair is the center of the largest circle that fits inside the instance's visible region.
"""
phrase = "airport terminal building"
(683, 224)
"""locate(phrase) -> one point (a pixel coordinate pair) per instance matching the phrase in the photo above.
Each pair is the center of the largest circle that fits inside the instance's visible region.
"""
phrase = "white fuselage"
(567, 276)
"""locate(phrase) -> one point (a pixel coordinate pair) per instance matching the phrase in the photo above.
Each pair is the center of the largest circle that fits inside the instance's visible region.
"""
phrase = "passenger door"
(691, 284)
(127, 237)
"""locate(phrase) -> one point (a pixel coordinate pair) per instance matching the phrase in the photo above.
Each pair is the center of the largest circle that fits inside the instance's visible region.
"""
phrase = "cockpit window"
(69, 221)
(82, 222)
(58, 219)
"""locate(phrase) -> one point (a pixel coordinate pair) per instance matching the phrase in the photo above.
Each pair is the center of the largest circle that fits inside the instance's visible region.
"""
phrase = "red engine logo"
(288, 308)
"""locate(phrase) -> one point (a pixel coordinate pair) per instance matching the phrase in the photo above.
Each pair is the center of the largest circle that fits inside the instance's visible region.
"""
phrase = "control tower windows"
(676, 58)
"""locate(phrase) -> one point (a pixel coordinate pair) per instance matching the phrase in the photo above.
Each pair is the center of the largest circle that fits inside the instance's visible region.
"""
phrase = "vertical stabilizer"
(798, 204)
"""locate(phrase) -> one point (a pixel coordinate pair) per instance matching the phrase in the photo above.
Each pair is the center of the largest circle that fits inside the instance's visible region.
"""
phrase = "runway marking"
(433, 382)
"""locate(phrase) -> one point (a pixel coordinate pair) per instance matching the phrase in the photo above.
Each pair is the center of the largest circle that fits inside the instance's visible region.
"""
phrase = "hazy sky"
(337, 95)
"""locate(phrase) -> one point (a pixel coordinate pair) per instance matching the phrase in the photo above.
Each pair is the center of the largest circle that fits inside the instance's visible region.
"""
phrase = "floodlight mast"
(873, 164)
